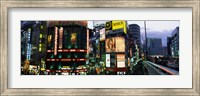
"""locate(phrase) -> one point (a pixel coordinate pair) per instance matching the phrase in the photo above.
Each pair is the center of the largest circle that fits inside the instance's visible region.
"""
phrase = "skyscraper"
(33, 44)
(155, 46)
(134, 35)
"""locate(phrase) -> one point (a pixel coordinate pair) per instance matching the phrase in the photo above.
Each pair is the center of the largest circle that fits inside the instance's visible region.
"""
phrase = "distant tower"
(155, 46)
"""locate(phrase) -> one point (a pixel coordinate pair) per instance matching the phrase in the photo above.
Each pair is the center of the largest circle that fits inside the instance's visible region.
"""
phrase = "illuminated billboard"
(116, 25)
(119, 25)
(115, 44)
(28, 54)
(56, 41)
(120, 60)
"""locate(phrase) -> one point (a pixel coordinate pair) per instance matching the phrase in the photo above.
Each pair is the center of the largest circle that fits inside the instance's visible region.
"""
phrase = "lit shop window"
(68, 56)
(51, 67)
(40, 47)
(59, 65)
(69, 46)
(75, 55)
(52, 55)
(40, 35)
(60, 56)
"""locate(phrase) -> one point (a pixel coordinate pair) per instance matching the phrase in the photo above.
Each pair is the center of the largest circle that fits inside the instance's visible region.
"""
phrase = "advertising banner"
(120, 64)
(120, 60)
(115, 44)
(119, 25)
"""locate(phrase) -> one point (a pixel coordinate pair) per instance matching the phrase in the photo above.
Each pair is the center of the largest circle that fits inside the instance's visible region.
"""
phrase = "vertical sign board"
(108, 27)
(87, 34)
(56, 41)
(28, 53)
(107, 60)
(102, 34)
(120, 44)
(60, 37)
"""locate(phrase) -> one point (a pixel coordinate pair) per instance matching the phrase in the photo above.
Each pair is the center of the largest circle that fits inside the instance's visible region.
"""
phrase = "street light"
(145, 39)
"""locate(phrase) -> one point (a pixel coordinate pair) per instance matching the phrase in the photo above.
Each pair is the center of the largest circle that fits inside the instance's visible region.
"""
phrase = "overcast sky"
(155, 29)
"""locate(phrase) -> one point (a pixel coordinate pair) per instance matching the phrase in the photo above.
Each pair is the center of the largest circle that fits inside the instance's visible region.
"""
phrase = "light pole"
(145, 39)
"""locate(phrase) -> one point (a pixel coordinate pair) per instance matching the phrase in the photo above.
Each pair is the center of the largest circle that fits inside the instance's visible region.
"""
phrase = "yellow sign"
(109, 25)
(119, 25)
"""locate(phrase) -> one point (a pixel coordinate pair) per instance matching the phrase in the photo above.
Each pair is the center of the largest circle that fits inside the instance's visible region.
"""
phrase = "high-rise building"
(134, 35)
(165, 52)
(39, 36)
(169, 40)
(67, 46)
(154, 47)
(26, 36)
(116, 47)
(175, 42)
(33, 46)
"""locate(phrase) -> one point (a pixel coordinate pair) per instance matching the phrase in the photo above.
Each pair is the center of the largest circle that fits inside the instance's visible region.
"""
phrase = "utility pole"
(145, 40)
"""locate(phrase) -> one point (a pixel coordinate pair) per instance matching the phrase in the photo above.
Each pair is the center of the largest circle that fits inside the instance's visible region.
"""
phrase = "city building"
(154, 46)
(165, 51)
(67, 47)
(175, 43)
(33, 49)
(169, 40)
(135, 39)
(116, 47)
(26, 36)
(99, 29)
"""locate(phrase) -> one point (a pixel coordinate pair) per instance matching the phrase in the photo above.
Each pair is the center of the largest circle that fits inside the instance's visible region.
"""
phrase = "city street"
(116, 47)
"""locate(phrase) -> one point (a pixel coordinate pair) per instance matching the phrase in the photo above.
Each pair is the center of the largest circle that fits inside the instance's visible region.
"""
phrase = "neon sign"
(60, 37)
(28, 54)
(55, 41)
